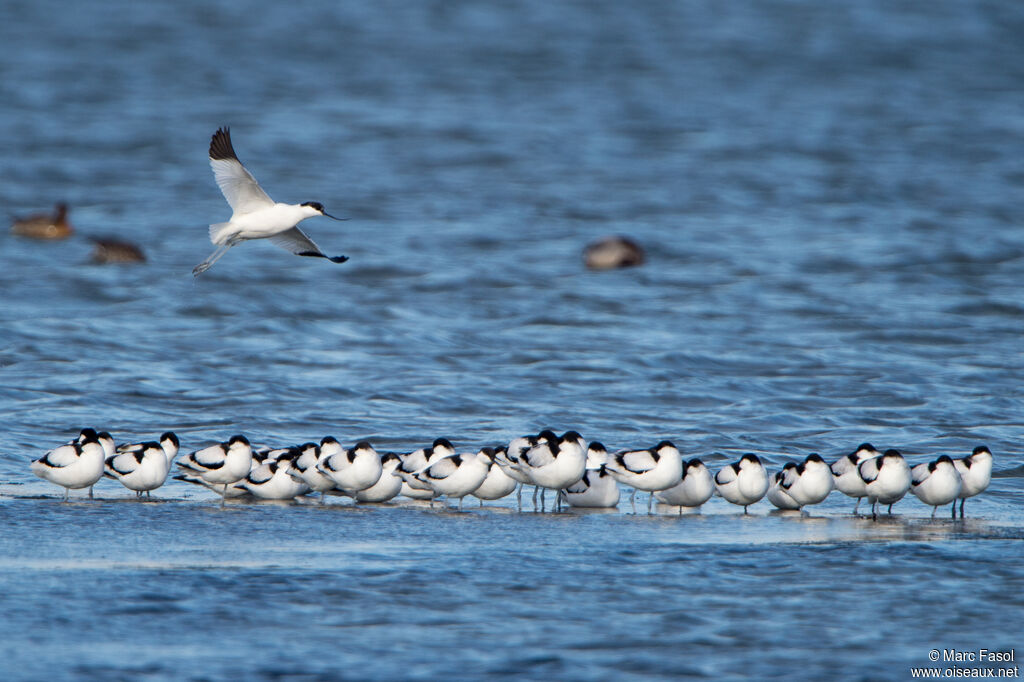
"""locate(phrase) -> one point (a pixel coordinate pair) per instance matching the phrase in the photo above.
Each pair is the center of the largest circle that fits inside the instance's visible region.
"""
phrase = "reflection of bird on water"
(111, 250)
(44, 225)
(613, 252)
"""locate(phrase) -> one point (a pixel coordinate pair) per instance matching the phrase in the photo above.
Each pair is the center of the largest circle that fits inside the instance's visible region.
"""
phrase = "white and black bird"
(456, 476)
(353, 469)
(221, 464)
(846, 478)
(388, 486)
(304, 468)
(597, 455)
(554, 462)
(810, 482)
(654, 469)
(254, 214)
(694, 488)
(597, 489)
(743, 482)
(74, 465)
(143, 467)
(936, 483)
(975, 472)
(272, 480)
(497, 483)
(518, 447)
(104, 438)
(168, 442)
(886, 479)
(777, 492)
(265, 453)
(414, 461)
(508, 459)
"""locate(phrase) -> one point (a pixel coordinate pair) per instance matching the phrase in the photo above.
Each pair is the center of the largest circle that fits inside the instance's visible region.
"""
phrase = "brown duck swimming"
(44, 225)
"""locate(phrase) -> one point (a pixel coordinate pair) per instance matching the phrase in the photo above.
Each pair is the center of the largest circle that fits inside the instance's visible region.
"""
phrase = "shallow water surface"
(177, 589)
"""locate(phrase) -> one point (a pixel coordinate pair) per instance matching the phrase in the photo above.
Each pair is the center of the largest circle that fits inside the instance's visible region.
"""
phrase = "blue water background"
(830, 195)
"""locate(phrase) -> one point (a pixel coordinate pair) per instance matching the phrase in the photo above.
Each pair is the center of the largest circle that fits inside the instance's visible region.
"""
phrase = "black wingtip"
(220, 145)
(317, 254)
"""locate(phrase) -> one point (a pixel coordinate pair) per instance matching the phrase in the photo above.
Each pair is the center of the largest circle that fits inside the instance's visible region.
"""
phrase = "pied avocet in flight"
(255, 215)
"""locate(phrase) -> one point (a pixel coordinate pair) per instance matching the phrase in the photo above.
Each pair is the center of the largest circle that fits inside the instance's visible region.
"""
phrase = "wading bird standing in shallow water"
(143, 467)
(886, 479)
(846, 474)
(743, 482)
(221, 464)
(255, 215)
(936, 483)
(656, 469)
(975, 471)
(694, 488)
(78, 464)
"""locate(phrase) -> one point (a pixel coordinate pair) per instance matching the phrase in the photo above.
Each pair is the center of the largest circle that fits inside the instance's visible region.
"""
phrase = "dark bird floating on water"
(613, 252)
(44, 225)
(112, 250)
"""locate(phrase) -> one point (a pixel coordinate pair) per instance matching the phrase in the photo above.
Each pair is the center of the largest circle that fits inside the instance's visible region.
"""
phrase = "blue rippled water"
(830, 198)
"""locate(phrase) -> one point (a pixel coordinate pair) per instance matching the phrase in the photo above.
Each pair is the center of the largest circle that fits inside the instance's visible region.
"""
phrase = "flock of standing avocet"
(582, 475)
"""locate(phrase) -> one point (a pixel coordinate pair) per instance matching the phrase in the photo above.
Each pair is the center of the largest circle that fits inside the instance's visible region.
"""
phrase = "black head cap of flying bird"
(319, 208)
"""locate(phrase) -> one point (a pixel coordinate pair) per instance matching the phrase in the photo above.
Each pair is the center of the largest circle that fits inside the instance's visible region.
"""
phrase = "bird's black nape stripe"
(220, 145)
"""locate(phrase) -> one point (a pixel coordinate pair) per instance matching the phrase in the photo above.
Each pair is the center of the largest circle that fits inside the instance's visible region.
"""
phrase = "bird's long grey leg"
(214, 257)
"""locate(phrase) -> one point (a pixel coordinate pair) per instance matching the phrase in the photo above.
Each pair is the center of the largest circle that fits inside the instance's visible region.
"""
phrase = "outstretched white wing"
(240, 188)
